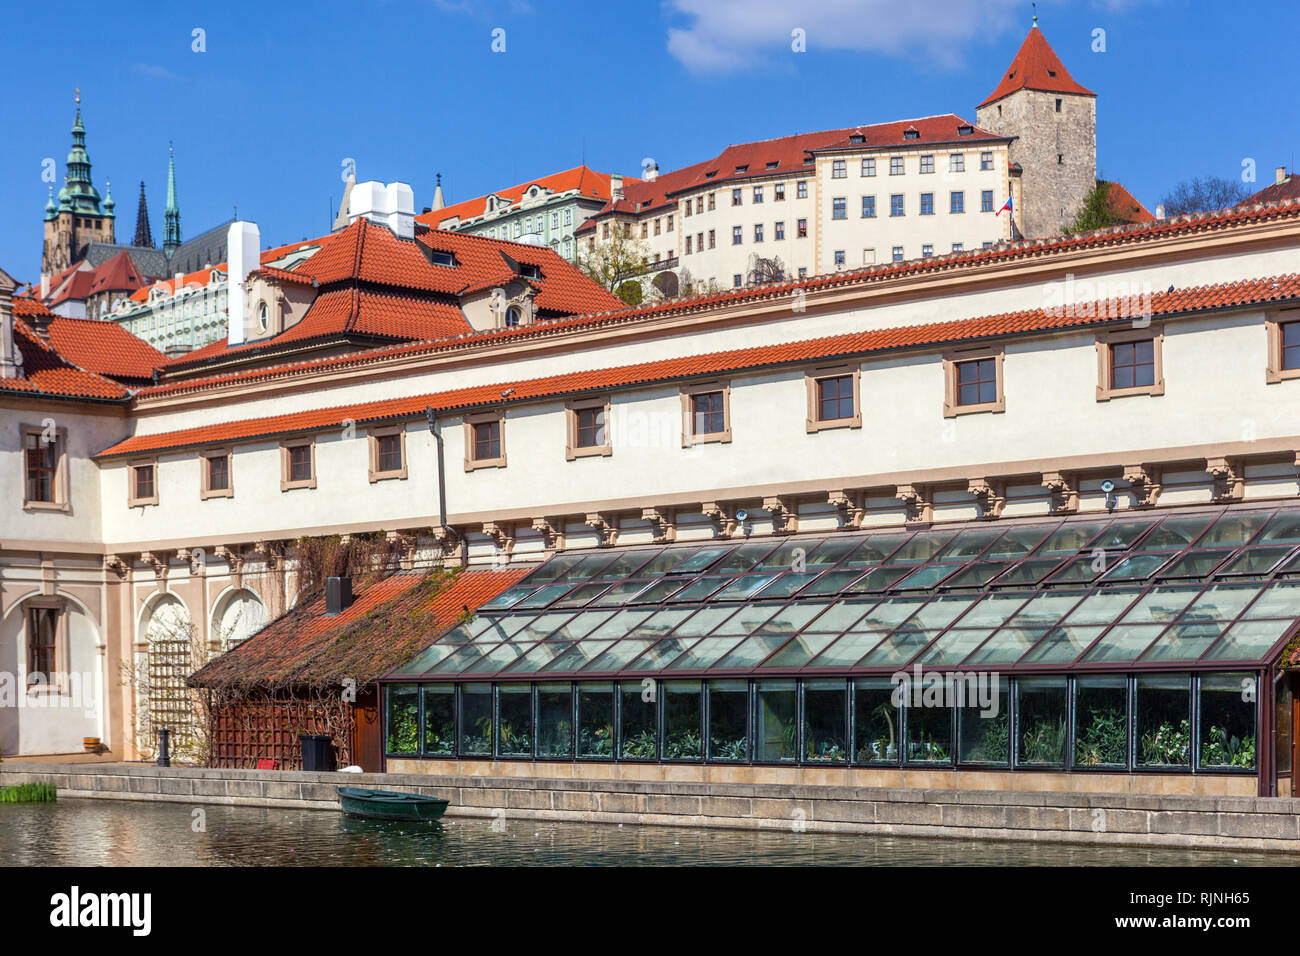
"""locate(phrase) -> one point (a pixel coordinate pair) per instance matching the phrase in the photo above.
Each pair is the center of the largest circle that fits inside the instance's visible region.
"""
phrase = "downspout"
(431, 414)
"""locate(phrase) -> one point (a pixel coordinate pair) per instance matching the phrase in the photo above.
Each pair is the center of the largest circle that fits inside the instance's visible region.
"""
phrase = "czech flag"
(1007, 206)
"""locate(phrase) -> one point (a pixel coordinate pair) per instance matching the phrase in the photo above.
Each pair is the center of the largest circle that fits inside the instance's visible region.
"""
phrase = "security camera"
(742, 515)
(1108, 486)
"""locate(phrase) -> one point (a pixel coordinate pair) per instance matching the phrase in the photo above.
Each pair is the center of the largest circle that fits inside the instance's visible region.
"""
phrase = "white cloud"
(153, 71)
(726, 35)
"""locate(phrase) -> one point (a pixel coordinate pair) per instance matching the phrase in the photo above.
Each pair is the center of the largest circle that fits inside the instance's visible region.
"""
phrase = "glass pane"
(953, 647)
(1040, 721)
(1220, 602)
(590, 566)
(880, 579)
(659, 654)
(543, 596)
(1174, 534)
(1195, 564)
(825, 721)
(841, 616)
(941, 611)
(1102, 606)
(628, 562)
(688, 562)
(744, 586)
(555, 721)
(1255, 561)
(509, 596)
(464, 656)
(582, 594)
(660, 623)
(1163, 722)
(1101, 722)
(1161, 604)
(929, 732)
(749, 653)
(897, 649)
(514, 720)
(728, 721)
(976, 575)
(660, 591)
(1080, 570)
(1227, 719)
(1124, 642)
(403, 718)
(787, 584)
(581, 624)
(923, 546)
(497, 657)
(926, 577)
(430, 656)
(1248, 640)
(1018, 542)
(1183, 642)
(500, 629)
(595, 720)
(704, 653)
(1028, 572)
(746, 620)
(682, 720)
(1136, 567)
(554, 569)
(618, 655)
(875, 549)
(775, 721)
(576, 656)
(832, 582)
(541, 655)
(1045, 609)
(475, 720)
(621, 593)
(1061, 644)
(993, 610)
(541, 627)
(875, 722)
(831, 552)
(1280, 599)
(698, 590)
(800, 650)
(1069, 539)
(983, 725)
(791, 618)
(1122, 534)
(1006, 646)
(704, 621)
(787, 554)
(848, 650)
(1283, 528)
(439, 737)
(1234, 528)
(620, 625)
(638, 737)
(887, 613)
(969, 544)
(744, 557)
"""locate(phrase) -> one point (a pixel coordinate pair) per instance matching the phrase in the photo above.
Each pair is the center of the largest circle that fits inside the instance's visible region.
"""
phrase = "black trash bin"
(317, 752)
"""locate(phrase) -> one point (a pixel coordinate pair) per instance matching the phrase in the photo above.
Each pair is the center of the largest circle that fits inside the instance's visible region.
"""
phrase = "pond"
(86, 832)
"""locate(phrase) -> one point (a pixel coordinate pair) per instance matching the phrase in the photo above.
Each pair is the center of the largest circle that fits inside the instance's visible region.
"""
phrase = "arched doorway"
(171, 652)
(238, 615)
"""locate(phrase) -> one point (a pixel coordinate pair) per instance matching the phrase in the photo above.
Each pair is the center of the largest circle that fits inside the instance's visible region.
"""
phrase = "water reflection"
(118, 833)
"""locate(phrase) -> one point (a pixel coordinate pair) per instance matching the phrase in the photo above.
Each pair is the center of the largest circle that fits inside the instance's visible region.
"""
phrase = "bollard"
(164, 757)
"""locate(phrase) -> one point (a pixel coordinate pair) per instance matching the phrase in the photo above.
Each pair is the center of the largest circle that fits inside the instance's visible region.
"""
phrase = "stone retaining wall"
(1248, 823)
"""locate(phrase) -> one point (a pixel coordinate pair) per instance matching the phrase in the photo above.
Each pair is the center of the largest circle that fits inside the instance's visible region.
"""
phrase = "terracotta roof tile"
(104, 347)
(1036, 67)
(587, 182)
(1124, 207)
(47, 373)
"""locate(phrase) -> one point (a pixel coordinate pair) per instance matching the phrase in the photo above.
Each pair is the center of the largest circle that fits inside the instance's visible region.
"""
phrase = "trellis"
(246, 727)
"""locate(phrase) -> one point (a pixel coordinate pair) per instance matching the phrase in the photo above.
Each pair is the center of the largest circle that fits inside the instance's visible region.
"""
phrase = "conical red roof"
(1036, 67)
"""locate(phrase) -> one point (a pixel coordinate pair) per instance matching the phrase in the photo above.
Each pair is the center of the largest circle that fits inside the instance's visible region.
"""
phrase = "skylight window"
(741, 169)
(441, 258)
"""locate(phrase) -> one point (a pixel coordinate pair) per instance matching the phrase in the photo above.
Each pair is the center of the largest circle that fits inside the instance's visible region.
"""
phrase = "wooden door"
(367, 736)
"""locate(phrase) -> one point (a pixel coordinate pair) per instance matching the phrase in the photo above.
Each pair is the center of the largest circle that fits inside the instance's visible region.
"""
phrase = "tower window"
(1058, 99)
(1060, 159)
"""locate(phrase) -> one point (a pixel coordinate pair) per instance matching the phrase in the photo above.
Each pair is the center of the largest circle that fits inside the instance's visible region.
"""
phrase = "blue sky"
(264, 117)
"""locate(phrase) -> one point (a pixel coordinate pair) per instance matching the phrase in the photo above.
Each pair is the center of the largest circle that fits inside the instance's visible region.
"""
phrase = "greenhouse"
(1140, 643)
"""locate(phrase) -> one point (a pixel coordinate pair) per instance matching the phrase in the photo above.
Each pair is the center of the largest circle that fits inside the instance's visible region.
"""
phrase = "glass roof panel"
(897, 649)
(800, 650)
(953, 647)
(745, 586)
(1280, 599)
(879, 579)
(1102, 606)
(875, 549)
(618, 654)
(509, 596)
(842, 615)
(1135, 567)
(497, 657)
(1079, 571)
(582, 594)
(621, 623)
(1195, 564)
(1018, 542)
(541, 626)
(969, 544)
(426, 659)
(582, 624)
(1061, 645)
(576, 655)
(1255, 560)
(1248, 640)
(831, 552)
(705, 621)
(1283, 528)
(538, 657)
(676, 559)
(1006, 646)
(746, 620)
(888, 613)
(941, 611)
(659, 654)
(832, 582)
(1045, 609)
(554, 569)
(590, 566)
(745, 557)
(477, 625)
(661, 622)
(661, 590)
(464, 656)
(1183, 642)
(787, 554)
(749, 652)
(1161, 604)
(923, 546)
(848, 649)
(460, 634)
(1027, 572)
(1221, 602)
(924, 578)
(1123, 642)
(977, 574)
(1070, 538)
(704, 653)
(786, 584)
(628, 562)
(620, 593)
(1235, 527)
(1174, 534)
(543, 596)
(1122, 533)
(699, 589)
(500, 628)
(791, 618)
(994, 609)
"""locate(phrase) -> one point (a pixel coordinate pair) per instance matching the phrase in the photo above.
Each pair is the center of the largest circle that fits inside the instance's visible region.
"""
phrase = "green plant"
(29, 793)
(1221, 750)
(682, 745)
(597, 741)
(996, 745)
(403, 727)
(735, 749)
(1102, 737)
(1167, 744)
(1045, 743)
(439, 739)
(641, 745)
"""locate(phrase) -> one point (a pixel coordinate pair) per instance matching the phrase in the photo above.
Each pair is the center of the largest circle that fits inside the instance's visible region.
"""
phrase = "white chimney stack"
(615, 187)
(1160, 211)
(1281, 174)
(10, 360)
(245, 243)
(401, 210)
(392, 206)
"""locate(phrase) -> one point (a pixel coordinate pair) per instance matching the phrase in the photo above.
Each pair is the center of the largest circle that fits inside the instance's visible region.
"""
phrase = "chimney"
(45, 286)
(368, 199)
(615, 187)
(401, 210)
(1281, 175)
(244, 241)
(338, 595)
(10, 361)
(1160, 211)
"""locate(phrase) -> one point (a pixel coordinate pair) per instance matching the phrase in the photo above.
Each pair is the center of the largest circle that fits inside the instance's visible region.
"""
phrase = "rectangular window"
(588, 429)
(758, 232)
(868, 207)
(1132, 364)
(868, 257)
(735, 197)
(687, 206)
(658, 226)
(42, 641)
(835, 398)
(713, 239)
(977, 382)
(298, 464)
(927, 164)
(737, 235)
(669, 227)
(956, 247)
(803, 272)
(957, 163)
(896, 204)
(779, 229)
(712, 201)
(802, 228)
(896, 165)
(927, 251)
(839, 208)
(144, 489)
(801, 190)
(780, 191)
(1129, 363)
(986, 160)
(42, 460)
(688, 245)
(706, 414)
(839, 259)
(645, 230)
(986, 200)
(869, 167)
(956, 202)
(699, 205)
(217, 481)
(839, 169)
(487, 440)
(1290, 332)
(758, 194)
(219, 472)
(737, 280)
(897, 254)
(973, 382)
(699, 241)
(927, 204)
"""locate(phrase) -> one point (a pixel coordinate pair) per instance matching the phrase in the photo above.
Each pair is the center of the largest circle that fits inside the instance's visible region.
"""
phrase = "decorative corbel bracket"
(605, 527)
(446, 539)
(233, 558)
(917, 502)
(552, 532)
(990, 494)
(503, 538)
(272, 551)
(1145, 483)
(116, 564)
(1063, 490)
(405, 546)
(723, 518)
(850, 508)
(663, 522)
(784, 512)
(159, 561)
(1229, 478)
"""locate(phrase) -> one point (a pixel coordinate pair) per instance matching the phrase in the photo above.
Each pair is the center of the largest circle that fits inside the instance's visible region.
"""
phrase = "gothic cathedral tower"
(76, 218)
(1055, 122)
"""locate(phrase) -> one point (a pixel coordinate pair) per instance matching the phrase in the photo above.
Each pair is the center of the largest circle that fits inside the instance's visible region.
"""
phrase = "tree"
(1094, 212)
(630, 292)
(612, 261)
(1204, 195)
(764, 271)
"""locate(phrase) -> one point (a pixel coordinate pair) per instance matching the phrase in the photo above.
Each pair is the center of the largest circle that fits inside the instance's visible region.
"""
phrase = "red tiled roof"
(1288, 188)
(997, 255)
(586, 181)
(284, 275)
(353, 312)
(118, 274)
(47, 373)
(104, 347)
(1029, 321)
(1036, 67)
(387, 625)
(203, 276)
(1124, 207)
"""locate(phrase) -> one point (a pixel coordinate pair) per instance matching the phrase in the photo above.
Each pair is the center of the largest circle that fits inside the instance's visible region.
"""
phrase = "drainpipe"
(431, 415)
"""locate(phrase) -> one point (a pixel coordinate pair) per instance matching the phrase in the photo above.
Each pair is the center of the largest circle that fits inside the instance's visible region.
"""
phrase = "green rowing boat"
(390, 805)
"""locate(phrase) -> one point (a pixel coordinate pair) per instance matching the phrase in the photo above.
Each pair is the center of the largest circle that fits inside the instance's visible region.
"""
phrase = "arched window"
(513, 316)
(263, 317)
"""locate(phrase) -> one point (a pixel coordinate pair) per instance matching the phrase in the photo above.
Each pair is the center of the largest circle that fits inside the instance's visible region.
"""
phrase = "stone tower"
(1055, 122)
(76, 217)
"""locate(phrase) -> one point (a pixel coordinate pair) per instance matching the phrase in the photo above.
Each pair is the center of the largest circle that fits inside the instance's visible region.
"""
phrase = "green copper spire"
(172, 214)
(78, 194)
(51, 208)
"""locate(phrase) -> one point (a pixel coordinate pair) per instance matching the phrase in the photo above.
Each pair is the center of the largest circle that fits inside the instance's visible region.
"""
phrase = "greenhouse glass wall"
(1134, 644)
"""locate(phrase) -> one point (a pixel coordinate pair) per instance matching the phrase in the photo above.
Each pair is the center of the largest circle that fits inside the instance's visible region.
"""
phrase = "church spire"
(172, 214)
(79, 194)
(143, 234)
(438, 201)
